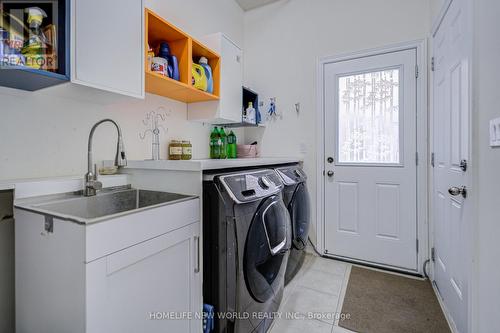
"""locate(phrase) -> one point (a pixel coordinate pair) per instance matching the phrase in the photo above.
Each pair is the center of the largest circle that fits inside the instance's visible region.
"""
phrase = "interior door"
(451, 154)
(370, 149)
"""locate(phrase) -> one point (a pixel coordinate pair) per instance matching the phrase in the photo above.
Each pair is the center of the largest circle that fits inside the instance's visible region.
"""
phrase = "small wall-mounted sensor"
(495, 132)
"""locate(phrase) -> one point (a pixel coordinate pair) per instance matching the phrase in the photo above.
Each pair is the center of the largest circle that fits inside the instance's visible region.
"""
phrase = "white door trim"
(422, 142)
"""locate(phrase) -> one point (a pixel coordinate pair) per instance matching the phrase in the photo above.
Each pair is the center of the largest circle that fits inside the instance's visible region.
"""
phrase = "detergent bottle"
(199, 77)
(173, 64)
(250, 114)
(34, 48)
(208, 72)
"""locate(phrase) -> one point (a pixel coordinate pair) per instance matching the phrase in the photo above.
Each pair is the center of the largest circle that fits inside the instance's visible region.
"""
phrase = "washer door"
(267, 243)
(299, 208)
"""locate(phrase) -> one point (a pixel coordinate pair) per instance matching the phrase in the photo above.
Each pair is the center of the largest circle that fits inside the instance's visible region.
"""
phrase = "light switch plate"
(495, 132)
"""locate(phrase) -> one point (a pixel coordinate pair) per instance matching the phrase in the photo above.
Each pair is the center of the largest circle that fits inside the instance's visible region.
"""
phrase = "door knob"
(330, 173)
(458, 190)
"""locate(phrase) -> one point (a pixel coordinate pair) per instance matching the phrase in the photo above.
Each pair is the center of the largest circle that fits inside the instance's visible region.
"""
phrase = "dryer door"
(300, 210)
(268, 240)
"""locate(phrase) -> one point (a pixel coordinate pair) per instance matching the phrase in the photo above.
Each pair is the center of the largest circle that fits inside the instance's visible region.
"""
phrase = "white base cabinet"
(136, 273)
(135, 290)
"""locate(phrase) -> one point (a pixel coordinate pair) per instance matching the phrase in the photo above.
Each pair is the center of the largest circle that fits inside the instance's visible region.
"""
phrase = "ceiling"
(251, 4)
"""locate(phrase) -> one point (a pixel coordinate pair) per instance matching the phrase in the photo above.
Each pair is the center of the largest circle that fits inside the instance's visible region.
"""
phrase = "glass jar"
(175, 150)
(187, 150)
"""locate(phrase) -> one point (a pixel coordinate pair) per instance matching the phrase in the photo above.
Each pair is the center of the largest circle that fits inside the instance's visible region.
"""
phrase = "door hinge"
(48, 225)
(417, 245)
(433, 68)
(416, 158)
(433, 254)
(432, 159)
(416, 71)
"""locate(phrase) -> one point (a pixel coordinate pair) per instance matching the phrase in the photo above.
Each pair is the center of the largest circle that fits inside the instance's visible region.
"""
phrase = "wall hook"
(297, 107)
(153, 121)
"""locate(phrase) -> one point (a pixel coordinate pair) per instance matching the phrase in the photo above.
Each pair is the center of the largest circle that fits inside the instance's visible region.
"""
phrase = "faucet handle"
(96, 185)
(95, 171)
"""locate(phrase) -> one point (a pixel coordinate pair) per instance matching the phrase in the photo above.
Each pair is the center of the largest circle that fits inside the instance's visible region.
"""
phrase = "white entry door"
(451, 154)
(370, 150)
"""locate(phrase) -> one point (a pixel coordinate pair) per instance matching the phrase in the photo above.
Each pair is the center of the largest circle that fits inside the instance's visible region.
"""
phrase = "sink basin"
(84, 209)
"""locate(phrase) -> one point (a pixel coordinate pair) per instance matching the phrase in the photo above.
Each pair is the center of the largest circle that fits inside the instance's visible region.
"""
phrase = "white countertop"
(209, 164)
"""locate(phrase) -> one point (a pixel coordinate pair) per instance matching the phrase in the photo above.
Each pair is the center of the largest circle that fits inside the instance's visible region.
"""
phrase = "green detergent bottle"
(231, 145)
(215, 143)
(223, 146)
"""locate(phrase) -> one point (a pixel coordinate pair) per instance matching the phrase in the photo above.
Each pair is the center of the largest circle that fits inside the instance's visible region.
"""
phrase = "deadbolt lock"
(463, 165)
(329, 159)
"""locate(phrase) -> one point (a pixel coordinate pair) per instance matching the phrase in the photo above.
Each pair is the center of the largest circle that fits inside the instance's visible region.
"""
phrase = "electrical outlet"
(495, 132)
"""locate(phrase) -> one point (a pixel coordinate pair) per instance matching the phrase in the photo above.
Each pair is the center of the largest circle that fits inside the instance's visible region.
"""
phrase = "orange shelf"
(185, 48)
(164, 86)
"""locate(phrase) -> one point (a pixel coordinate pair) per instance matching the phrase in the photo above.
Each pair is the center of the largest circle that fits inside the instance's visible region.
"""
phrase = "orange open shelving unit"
(185, 48)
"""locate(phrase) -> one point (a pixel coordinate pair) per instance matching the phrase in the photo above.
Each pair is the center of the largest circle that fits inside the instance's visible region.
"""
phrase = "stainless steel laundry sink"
(104, 205)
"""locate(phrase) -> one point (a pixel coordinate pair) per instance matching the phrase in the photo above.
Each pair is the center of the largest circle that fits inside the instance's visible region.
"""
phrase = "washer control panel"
(251, 185)
(265, 183)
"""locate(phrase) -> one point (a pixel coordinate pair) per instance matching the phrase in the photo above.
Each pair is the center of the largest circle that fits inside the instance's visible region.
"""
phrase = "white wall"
(283, 42)
(486, 107)
(44, 134)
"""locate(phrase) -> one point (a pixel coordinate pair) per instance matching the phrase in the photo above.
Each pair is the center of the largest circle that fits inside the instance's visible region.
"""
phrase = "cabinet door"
(139, 289)
(229, 108)
(7, 304)
(231, 81)
(108, 45)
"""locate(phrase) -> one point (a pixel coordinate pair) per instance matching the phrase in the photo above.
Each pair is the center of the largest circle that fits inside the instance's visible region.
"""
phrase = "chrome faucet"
(92, 185)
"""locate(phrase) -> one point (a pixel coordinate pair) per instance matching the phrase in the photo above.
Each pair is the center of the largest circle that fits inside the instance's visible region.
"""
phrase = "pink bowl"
(248, 151)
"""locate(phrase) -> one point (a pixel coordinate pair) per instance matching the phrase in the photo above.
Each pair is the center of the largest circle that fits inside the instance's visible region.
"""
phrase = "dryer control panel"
(292, 175)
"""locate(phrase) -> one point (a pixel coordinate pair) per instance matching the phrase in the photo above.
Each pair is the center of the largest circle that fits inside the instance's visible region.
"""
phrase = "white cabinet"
(132, 290)
(229, 108)
(124, 275)
(107, 45)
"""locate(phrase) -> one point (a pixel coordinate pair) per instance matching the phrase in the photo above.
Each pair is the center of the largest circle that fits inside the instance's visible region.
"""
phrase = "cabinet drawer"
(139, 252)
(112, 236)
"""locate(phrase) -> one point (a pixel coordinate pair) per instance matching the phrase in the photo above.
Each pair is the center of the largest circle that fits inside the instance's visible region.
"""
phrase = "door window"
(369, 119)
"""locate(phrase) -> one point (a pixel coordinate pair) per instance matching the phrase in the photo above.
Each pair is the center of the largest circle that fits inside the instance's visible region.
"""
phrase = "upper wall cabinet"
(228, 109)
(107, 45)
(34, 43)
(177, 50)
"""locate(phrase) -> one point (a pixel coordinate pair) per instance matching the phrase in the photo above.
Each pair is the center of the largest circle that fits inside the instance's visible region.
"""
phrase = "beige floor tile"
(338, 329)
(322, 281)
(312, 303)
(329, 265)
(300, 326)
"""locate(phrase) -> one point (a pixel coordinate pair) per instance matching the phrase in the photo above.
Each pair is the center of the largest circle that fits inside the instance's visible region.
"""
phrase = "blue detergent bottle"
(173, 64)
(208, 72)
